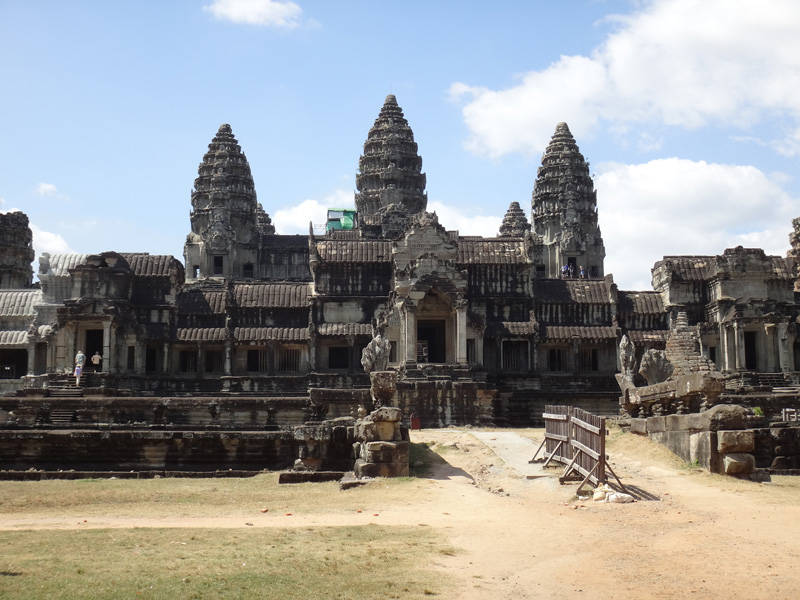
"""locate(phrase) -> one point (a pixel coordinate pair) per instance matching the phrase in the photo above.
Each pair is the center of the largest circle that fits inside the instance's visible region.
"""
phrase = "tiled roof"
(491, 251)
(203, 302)
(272, 295)
(343, 329)
(506, 328)
(19, 303)
(656, 336)
(584, 291)
(354, 251)
(566, 334)
(201, 334)
(281, 334)
(60, 264)
(689, 268)
(648, 303)
(148, 265)
(16, 339)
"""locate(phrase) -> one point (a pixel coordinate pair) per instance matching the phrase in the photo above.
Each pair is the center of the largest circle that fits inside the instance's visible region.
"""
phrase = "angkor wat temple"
(265, 329)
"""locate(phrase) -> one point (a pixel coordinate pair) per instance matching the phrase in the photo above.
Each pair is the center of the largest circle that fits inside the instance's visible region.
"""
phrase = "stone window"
(515, 355)
(218, 265)
(588, 359)
(557, 360)
(288, 360)
(393, 351)
(257, 360)
(471, 355)
(338, 357)
(131, 362)
(196, 271)
(712, 354)
(214, 361)
(247, 270)
(187, 361)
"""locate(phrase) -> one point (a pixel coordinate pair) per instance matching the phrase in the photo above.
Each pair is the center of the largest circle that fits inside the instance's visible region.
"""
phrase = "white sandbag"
(619, 498)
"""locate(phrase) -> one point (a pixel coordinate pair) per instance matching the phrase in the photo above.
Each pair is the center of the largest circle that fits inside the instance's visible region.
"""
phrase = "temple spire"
(227, 220)
(564, 207)
(515, 223)
(390, 170)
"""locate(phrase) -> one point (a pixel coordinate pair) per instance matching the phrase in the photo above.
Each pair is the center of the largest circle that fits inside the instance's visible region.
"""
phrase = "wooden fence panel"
(557, 433)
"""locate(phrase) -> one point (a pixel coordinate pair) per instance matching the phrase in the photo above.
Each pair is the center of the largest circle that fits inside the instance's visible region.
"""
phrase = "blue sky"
(688, 110)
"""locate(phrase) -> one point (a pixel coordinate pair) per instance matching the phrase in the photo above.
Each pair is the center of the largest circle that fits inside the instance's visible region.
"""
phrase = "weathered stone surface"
(387, 431)
(366, 469)
(739, 464)
(735, 441)
(655, 366)
(386, 452)
(387, 413)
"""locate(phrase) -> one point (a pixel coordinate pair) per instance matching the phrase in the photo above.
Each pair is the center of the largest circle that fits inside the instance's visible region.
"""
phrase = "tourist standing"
(96, 360)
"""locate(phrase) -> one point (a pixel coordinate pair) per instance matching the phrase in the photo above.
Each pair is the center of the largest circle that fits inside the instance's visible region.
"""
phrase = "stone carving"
(627, 358)
(383, 388)
(375, 357)
(655, 367)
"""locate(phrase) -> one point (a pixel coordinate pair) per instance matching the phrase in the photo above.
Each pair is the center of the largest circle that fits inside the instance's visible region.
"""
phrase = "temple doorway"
(94, 342)
(431, 341)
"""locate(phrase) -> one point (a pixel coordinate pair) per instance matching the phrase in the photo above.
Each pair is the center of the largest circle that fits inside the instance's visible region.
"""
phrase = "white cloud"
(453, 217)
(46, 189)
(684, 63)
(269, 13)
(44, 241)
(681, 207)
(295, 219)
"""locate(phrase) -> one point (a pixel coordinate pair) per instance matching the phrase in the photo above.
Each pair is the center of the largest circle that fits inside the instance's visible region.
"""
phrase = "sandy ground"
(691, 534)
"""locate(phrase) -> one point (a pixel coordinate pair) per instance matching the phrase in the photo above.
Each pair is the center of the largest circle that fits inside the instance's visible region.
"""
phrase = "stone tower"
(390, 170)
(564, 209)
(227, 221)
(16, 251)
(515, 223)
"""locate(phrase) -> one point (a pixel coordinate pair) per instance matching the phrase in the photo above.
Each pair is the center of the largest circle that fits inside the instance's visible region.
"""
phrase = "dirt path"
(693, 535)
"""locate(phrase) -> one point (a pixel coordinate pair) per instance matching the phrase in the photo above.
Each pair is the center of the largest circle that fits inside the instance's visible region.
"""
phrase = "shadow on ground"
(427, 464)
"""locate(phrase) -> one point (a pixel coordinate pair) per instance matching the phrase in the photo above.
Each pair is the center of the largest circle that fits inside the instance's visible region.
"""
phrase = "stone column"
(109, 364)
(139, 360)
(165, 359)
(351, 343)
(69, 359)
(272, 349)
(782, 331)
(461, 332)
(228, 357)
(198, 372)
(31, 355)
(738, 343)
(409, 334)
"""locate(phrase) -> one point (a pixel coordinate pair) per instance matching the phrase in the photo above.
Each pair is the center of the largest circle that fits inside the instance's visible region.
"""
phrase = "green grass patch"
(313, 562)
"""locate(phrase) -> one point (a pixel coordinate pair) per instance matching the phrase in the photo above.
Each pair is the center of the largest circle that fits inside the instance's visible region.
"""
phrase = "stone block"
(312, 433)
(366, 431)
(387, 430)
(365, 469)
(386, 452)
(739, 464)
(387, 413)
(703, 450)
(735, 441)
(656, 425)
(392, 469)
(639, 426)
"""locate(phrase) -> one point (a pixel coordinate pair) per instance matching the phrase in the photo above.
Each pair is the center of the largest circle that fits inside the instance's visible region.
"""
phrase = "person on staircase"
(80, 360)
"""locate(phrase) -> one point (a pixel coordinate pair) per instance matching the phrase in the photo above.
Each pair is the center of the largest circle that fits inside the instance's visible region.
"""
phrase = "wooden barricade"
(578, 439)
(556, 434)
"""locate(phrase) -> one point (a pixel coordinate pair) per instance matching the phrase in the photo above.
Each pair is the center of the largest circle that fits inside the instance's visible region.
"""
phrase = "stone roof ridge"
(18, 303)
(515, 222)
(59, 264)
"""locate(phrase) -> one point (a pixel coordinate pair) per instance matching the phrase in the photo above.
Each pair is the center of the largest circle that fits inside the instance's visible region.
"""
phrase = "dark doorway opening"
(13, 363)
(750, 355)
(432, 333)
(94, 342)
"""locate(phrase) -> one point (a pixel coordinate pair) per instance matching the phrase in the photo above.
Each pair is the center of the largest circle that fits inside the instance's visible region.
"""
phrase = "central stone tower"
(390, 170)
(564, 209)
(227, 221)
